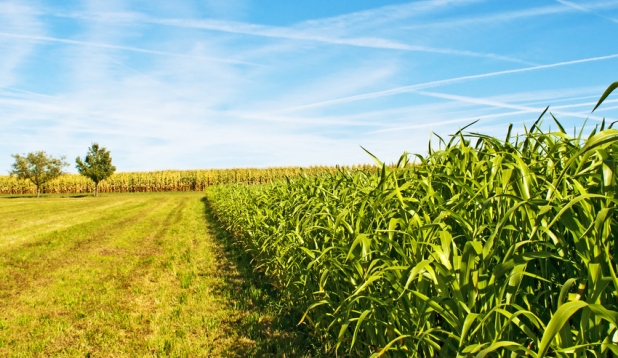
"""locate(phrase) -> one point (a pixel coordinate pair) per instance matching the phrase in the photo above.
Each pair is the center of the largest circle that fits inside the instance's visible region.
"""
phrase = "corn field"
(485, 247)
(169, 180)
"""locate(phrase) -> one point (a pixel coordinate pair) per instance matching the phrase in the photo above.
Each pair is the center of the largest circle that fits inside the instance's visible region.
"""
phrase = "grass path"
(132, 275)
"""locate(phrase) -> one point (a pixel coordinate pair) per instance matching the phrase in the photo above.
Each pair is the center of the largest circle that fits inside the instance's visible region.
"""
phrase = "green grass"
(132, 275)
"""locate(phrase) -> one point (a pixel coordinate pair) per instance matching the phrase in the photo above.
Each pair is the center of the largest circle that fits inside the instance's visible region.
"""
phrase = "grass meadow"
(126, 275)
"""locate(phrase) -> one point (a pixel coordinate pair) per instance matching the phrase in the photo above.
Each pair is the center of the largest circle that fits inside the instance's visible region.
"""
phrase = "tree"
(97, 165)
(38, 167)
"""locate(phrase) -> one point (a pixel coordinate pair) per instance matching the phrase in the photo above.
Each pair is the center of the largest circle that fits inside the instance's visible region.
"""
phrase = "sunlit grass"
(130, 275)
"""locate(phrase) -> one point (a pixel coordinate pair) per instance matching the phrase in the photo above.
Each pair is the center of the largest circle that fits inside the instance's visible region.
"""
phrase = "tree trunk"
(96, 190)
(38, 191)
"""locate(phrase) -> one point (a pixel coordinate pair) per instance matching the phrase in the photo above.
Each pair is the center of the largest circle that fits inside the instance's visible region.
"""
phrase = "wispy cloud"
(119, 47)
(318, 31)
(493, 103)
(442, 123)
(6, 88)
(310, 35)
(377, 17)
(176, 85)
(496, 18)
(420, 86)
(16, 15)
(506, 16)
(585, 9)
(490, 102)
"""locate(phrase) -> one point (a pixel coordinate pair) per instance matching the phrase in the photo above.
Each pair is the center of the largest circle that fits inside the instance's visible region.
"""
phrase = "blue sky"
(245, 83)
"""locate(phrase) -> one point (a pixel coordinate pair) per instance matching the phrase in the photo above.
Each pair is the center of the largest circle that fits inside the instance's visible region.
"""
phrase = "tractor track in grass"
(132, 275)
(31, 264)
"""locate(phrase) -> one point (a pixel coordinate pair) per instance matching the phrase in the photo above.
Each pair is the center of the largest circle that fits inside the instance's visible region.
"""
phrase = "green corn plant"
(485, 247)
(167, 180)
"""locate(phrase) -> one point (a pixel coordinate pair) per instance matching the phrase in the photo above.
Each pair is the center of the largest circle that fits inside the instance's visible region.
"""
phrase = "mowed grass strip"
(20, 221)
(126, 275)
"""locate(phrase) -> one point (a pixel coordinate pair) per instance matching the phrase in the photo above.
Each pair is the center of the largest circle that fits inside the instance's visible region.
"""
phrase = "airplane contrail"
(118, 47)
(421, 86)
(492, 103)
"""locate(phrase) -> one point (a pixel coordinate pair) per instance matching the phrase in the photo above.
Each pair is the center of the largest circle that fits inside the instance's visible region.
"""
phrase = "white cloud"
(176, 96)
(500, 18)
(586, 9)
(15, 15)
(118, 47)
(493, 103)
(420, 86)
(378, 16)
(319, 30)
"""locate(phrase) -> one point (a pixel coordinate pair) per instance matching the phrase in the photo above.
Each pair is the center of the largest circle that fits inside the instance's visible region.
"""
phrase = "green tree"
(38, 167)
(97, 165)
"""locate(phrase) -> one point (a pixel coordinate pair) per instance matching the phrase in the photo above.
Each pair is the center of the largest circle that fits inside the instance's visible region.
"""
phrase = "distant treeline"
(167, 180)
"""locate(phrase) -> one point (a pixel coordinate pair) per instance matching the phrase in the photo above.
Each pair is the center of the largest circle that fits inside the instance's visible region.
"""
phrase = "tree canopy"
(38, 167)
(97, 165)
